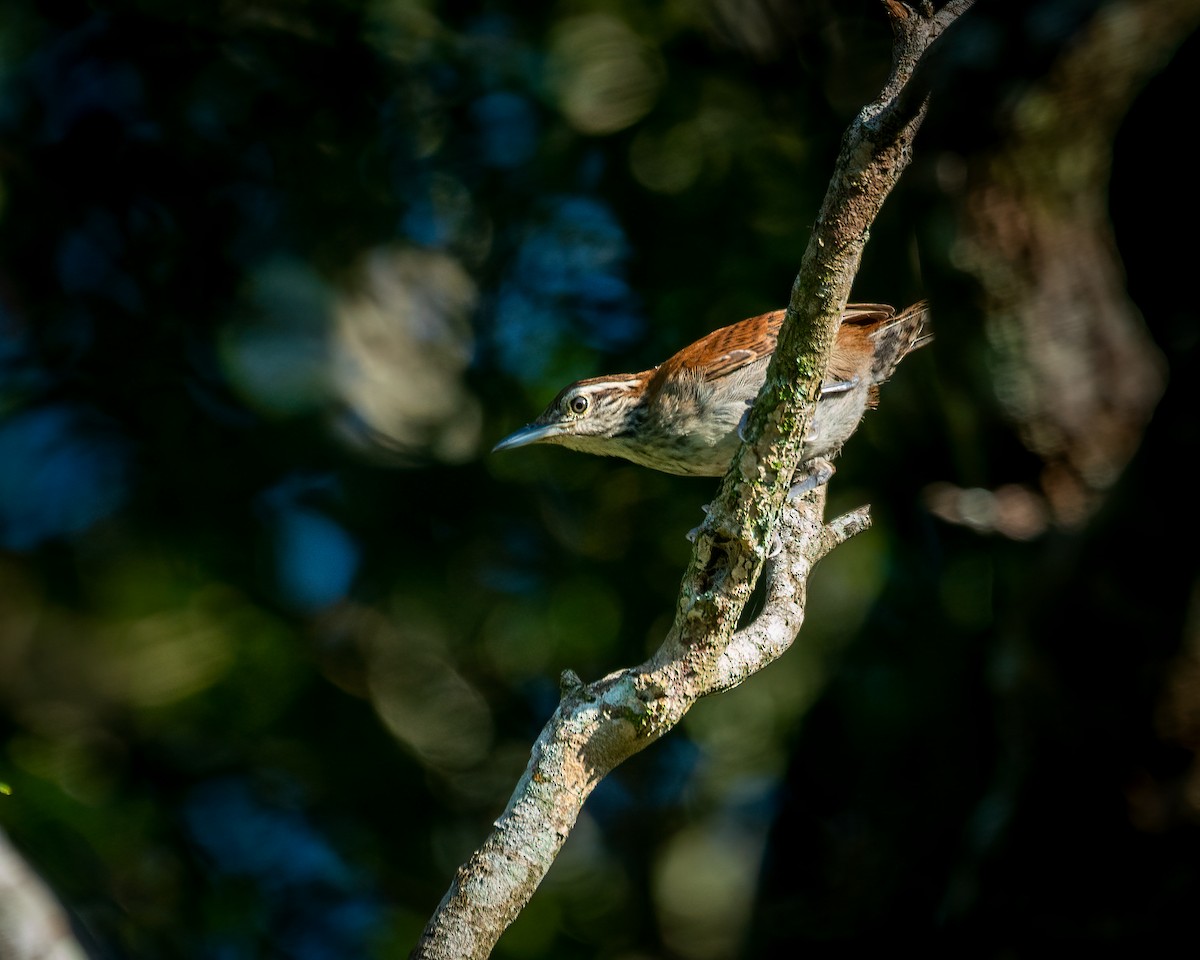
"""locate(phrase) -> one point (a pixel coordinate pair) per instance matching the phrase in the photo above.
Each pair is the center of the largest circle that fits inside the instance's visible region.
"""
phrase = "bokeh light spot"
(604, 75)
(316, 558)
(60, 472)
(403, 343)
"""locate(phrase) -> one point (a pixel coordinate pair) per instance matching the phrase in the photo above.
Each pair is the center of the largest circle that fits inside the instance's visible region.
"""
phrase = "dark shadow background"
(276, 632)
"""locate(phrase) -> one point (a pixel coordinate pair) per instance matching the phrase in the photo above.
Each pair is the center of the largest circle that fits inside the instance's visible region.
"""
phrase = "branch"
(773, 631)
(598, 725)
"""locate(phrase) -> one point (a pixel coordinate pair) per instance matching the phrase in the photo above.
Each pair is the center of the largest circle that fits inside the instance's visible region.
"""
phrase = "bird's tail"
(899, 336)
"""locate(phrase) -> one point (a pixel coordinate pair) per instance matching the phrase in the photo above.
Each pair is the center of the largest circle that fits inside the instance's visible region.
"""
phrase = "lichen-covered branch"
(875, 151)
(598, 725)
(771, 633)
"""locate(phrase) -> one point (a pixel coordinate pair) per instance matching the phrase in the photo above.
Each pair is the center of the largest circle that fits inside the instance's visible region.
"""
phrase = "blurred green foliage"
(276, 633)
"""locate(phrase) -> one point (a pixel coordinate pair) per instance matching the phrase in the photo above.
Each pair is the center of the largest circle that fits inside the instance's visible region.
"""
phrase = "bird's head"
(589, 415)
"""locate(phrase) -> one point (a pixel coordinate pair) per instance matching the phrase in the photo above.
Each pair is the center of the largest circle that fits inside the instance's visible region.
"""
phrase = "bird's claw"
(838, 386)
(816, 473)
(692, 534)
(741, 427)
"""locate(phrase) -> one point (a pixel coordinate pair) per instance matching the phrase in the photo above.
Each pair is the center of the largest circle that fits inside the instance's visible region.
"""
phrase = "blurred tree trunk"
(1073, 365)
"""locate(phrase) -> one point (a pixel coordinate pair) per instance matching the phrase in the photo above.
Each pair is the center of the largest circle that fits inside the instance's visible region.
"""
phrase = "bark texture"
(598, 725)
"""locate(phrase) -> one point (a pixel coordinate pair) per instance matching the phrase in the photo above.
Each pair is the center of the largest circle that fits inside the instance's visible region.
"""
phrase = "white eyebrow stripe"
(613, 385)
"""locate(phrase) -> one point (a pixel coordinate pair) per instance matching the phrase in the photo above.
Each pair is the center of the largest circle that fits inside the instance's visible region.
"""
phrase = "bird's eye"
(579, 404)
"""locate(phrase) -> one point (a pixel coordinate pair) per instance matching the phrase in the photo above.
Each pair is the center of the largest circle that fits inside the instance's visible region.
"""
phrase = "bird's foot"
(741, 427)
(815, 473)
(838, 386)
(692, 534)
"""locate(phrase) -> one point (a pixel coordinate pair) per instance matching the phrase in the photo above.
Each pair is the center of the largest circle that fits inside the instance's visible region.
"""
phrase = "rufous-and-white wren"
(684, 416)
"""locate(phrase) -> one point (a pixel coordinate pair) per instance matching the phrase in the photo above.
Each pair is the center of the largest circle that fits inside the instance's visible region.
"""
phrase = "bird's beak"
(534, 433)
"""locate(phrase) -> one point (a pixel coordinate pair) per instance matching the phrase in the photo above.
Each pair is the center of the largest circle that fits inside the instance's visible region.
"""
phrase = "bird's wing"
(728, 349)
(724, 351)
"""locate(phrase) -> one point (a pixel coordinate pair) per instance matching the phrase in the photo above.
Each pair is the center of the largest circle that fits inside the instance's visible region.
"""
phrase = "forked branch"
(598, 725)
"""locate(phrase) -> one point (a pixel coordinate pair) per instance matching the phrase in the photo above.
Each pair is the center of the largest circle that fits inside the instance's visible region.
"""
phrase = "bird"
(686, 416)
